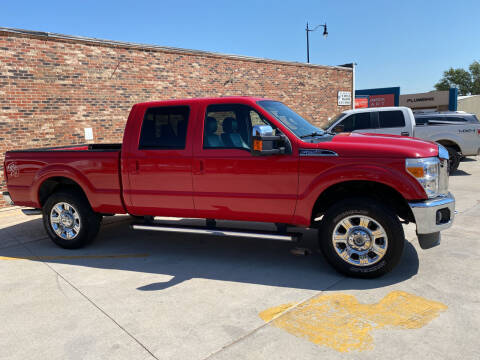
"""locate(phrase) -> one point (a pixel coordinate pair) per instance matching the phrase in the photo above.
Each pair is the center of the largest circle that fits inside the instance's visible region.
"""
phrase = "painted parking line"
(69, 257)
(340, 322)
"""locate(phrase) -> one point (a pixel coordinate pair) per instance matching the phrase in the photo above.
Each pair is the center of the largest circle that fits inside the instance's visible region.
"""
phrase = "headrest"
(230, 125)
(211, 125)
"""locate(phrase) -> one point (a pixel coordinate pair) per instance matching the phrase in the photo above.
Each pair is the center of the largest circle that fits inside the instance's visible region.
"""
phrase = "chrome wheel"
(65, 220)
(359, 240)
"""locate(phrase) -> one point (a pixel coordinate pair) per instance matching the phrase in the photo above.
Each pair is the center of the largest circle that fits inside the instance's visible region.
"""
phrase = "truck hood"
(379, 145)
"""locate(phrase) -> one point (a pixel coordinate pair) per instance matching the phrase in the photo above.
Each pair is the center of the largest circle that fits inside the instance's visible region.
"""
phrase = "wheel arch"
(449, 143)
(54, 184)
(380, 192)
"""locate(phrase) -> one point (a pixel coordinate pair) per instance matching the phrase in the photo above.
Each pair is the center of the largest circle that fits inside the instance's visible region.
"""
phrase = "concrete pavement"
(140, 295)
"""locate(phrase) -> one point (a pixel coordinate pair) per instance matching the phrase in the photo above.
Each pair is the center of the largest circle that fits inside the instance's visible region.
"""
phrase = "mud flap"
(428, 241)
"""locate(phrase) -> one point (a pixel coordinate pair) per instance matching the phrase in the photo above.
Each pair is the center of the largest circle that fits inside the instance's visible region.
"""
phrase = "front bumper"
(6, 197)
(434, 215)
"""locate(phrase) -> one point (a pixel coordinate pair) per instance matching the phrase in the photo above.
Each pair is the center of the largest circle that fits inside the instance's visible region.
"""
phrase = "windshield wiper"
(313, 134)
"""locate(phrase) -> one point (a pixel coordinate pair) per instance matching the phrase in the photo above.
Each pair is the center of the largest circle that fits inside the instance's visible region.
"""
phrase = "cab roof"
(186, 101)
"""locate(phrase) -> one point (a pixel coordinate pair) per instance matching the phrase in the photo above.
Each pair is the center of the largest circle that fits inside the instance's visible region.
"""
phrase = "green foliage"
(467, 82)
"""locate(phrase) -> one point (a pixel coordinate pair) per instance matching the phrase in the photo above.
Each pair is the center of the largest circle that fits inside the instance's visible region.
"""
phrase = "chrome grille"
(443, 177)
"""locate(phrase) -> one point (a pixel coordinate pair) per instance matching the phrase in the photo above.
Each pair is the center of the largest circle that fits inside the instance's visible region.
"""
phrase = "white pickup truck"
(459, 134)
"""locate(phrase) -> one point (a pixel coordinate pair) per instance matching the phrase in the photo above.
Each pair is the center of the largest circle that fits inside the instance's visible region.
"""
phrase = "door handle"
(137, 167)
(404, 133)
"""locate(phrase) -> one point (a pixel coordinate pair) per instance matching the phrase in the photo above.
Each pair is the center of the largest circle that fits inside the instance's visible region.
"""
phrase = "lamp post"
(308, 30)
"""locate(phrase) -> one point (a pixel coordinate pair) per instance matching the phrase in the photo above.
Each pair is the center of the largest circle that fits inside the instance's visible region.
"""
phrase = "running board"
(220, 232)
(32, 211)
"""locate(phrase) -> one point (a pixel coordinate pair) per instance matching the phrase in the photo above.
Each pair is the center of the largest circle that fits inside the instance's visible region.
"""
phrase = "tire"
(69, 220)
(454, 160)
(375, 234)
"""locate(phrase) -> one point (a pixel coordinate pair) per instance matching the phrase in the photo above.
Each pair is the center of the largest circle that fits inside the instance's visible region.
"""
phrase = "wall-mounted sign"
(425, 100)
(361, 102)
(344, 98)
(381, 100)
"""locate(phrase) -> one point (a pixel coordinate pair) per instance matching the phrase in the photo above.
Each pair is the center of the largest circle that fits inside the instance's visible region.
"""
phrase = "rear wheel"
(454, 159)
(69, 220)
(361, 238)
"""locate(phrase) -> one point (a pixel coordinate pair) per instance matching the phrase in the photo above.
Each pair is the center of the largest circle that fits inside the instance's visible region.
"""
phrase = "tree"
(475, 72)
(467, 82)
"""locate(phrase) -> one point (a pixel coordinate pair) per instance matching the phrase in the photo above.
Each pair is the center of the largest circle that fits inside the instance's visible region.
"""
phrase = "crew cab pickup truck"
(460, 138)
(246, 159)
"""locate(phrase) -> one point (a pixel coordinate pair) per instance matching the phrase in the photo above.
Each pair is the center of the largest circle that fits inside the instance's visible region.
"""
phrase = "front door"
(229, 182)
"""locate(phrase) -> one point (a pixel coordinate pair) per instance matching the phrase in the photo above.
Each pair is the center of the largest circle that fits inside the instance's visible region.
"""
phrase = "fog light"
(442, 216)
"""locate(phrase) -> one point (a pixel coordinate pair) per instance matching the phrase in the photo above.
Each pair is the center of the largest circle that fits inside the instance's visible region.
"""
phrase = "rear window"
(421, 120)
(391, 119)
(455, 118)
(164, 128)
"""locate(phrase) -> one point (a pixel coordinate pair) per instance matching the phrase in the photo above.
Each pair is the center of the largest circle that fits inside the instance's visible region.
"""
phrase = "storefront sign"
(381, 100)
(361, 102)
(431, 99)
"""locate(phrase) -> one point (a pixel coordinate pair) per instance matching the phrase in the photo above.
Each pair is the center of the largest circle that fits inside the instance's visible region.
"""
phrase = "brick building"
(54, 86)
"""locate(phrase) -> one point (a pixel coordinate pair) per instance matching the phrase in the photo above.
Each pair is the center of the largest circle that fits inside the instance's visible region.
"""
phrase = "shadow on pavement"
(194, 256)
(460, 173)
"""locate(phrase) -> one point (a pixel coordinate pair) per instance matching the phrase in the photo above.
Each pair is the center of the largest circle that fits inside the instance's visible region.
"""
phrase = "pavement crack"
(93, 303)
(251, 332)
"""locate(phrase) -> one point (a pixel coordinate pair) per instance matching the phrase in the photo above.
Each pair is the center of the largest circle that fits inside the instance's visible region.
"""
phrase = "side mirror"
(265, 143)
(338, 129)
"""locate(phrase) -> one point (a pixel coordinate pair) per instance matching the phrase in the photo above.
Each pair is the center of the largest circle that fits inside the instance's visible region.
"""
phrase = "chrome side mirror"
(265, 143)
(262, 130)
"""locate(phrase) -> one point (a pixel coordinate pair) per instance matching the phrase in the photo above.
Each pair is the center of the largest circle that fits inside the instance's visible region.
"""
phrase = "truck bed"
(81, 147)
(95, 167)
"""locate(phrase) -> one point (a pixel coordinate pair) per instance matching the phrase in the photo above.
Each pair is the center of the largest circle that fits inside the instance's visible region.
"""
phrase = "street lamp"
(307, 30)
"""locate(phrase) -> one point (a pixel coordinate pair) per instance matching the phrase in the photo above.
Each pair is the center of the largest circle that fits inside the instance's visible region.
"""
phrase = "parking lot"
(141, 295)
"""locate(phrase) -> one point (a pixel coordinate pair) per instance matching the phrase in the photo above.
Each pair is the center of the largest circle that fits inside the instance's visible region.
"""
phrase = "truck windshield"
(294, 122)
(332, 121)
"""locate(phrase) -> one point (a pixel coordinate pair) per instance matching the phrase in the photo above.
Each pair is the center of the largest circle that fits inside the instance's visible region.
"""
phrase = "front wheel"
(454, 159)
(69, 220)
(361, 237)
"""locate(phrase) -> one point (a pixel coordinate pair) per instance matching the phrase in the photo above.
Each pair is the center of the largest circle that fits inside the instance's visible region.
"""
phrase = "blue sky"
(395, 43)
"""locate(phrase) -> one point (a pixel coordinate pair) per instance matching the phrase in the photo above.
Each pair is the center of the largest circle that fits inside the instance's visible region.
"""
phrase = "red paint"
(216, 183)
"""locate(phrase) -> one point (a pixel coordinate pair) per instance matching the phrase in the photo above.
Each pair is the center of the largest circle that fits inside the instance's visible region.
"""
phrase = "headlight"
(426, 171)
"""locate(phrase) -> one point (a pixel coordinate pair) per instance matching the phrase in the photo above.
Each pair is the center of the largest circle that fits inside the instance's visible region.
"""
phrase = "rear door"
(229, 182)
(393, 122)
(159, 163)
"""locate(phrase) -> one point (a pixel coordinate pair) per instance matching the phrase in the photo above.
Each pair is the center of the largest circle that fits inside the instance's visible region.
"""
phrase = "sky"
(394, 43)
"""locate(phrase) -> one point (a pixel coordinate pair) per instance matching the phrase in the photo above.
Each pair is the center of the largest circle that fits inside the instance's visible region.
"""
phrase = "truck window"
(164, 128)
(228, 126)
(421, 121)
(455, 118)
(357, 122)
(391, 119)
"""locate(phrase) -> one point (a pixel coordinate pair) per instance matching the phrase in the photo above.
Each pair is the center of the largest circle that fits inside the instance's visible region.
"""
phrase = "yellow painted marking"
(342, 323)
(61, 257)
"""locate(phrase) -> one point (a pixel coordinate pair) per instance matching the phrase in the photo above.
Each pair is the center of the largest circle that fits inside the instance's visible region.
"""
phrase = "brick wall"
(52, 87)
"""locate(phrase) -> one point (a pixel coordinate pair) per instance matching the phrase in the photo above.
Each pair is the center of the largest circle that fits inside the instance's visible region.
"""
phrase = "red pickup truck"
(245, 159)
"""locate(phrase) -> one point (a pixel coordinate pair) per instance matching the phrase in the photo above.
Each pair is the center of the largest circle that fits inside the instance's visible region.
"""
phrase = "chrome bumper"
(7, 198)
(432, 216)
